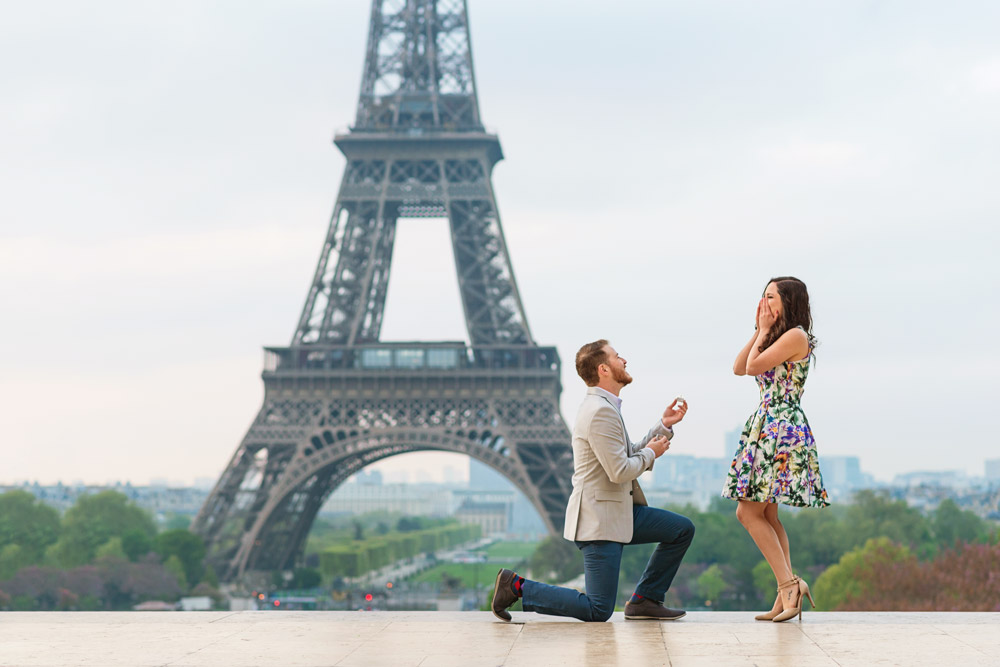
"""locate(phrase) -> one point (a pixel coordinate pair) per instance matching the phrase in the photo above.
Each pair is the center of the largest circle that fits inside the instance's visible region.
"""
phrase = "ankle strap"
(793, 580)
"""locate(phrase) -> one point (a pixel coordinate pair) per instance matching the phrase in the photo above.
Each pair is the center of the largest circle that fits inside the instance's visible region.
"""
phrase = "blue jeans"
(602, 562)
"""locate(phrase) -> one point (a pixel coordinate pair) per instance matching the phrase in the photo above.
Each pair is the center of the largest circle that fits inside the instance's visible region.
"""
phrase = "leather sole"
(655, 618)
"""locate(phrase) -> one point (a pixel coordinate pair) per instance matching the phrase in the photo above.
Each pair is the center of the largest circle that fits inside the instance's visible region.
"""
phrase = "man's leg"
(674, 534)
(601, 564)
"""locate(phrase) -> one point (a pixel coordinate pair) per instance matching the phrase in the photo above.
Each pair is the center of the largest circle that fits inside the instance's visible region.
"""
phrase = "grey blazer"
(605, 468)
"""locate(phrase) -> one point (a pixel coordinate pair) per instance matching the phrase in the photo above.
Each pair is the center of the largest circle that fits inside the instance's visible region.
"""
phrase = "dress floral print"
(777, 460)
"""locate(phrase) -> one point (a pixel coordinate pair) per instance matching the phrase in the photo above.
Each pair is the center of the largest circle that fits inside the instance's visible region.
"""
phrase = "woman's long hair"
(795, 310)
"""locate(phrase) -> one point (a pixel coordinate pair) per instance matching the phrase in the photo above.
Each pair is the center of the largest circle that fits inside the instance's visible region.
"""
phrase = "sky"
(168, 177)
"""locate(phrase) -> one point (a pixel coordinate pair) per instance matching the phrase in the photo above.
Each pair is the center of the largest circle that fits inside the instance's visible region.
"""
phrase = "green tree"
(556, 560)
(210, 577)
(849, 578)
(711, 583)
(306, 577)
(94, 520)
(174, 566)
(817, 536)
(28, 523)
(111, 549)
(874, 514)
(12, 559)
(763, 580)
(187, 547)
(136, 544)
(952, 524)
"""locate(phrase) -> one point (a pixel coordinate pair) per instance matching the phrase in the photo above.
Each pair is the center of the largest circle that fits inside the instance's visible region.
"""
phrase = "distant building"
(954, 479)
(159, 500)
(842, 476)
(992, 470)
(491, 511)
(693, 479)
(524, 521)
(406, 499)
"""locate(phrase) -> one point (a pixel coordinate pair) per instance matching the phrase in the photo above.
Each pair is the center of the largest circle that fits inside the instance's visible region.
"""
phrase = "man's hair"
(588, 359)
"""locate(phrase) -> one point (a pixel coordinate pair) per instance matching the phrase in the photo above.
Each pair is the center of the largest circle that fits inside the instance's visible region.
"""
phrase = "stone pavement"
(474, 639)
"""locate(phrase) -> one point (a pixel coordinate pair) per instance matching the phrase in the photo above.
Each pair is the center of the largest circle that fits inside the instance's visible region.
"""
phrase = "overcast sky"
(168, 178)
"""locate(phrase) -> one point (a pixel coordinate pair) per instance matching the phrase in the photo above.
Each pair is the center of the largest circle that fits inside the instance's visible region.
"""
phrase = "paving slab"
(477, 639)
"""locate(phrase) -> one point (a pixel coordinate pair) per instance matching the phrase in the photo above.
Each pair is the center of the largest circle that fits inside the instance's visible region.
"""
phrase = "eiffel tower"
(337, 398)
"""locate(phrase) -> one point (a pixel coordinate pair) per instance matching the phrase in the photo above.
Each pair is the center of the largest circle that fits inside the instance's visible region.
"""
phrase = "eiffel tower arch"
(337, 398)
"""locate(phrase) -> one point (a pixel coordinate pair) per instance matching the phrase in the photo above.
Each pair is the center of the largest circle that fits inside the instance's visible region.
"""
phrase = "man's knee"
(687, 530)
(601, 613)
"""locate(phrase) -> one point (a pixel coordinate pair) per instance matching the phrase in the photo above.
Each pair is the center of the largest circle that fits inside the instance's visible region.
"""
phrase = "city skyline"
(173, 180)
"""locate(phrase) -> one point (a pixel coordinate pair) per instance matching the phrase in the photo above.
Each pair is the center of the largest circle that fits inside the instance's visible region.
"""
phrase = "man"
(607, 509)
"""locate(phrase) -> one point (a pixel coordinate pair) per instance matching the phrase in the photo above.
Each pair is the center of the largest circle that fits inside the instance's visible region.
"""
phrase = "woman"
(777, 460)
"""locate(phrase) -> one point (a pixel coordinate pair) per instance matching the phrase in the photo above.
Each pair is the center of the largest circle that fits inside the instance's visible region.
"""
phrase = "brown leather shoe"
(647, 609)
(503, 595)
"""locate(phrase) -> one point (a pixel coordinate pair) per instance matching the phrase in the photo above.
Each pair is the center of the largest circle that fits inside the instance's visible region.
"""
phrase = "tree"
(12, 559)
(149, 580)
(94, 520)
(111, 549)
(556, 560)
(873, 515)
(187, 547)
(842, 585)
(711, 583)
(136, 544)
(952, 524)
(817, 536)
(27, 522)
(306, 577)
(763, 580)
(174, 566)
(211, 578)
(408, 523)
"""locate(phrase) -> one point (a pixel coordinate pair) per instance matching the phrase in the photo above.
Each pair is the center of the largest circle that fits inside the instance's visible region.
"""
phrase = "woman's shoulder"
(795, 334)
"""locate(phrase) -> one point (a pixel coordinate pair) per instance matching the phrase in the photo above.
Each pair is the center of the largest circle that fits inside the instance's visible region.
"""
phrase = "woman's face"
(773, 299)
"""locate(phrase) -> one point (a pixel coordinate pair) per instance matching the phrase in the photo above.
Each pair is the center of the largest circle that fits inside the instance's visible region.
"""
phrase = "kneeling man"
(607, 509)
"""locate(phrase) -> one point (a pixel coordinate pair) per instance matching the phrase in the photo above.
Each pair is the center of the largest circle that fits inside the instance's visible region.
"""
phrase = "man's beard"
(620, 376)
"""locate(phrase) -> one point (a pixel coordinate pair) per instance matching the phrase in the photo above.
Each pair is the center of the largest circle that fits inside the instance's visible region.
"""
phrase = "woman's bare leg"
(771, 514)
(751, 515)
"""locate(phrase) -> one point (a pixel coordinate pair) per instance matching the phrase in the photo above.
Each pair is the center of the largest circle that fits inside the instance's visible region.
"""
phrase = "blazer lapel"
(620, 418)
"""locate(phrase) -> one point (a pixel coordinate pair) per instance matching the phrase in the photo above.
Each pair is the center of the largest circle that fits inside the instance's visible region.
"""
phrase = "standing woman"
(777, 460)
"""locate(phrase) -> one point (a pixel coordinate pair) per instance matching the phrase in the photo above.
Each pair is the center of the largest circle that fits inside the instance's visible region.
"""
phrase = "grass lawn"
(471, 574)
(513, 551)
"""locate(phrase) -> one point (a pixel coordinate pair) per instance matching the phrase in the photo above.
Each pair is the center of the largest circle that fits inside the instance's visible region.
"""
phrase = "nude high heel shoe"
(769, 615)
(803, 589)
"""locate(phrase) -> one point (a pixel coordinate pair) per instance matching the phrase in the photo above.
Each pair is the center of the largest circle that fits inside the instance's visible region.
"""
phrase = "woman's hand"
(765, 316)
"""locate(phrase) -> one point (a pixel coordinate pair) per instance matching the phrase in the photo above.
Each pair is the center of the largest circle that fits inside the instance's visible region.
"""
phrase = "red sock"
(516, 585)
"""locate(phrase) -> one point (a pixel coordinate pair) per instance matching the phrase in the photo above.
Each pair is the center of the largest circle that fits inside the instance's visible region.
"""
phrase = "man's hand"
(673, 413)
(659, 445)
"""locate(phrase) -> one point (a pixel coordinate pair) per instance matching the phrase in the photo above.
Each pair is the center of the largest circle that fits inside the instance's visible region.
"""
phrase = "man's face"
(616, 364)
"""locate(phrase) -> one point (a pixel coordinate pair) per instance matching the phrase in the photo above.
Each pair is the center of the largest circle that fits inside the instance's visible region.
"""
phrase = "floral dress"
(777, 460)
